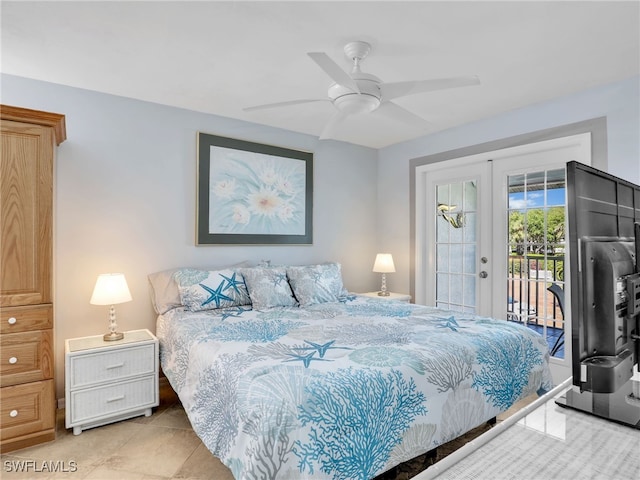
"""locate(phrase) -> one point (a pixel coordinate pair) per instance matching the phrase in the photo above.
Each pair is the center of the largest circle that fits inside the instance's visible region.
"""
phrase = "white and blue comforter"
(342, 390)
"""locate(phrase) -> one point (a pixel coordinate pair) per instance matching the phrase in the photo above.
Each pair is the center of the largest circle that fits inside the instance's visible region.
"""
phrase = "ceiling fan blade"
(400, 89)
(334, 70)
(285, 104)
(396, 112)
(331, 125)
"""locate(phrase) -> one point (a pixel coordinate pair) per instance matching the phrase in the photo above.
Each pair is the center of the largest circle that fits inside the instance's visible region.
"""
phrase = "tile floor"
(160, 447)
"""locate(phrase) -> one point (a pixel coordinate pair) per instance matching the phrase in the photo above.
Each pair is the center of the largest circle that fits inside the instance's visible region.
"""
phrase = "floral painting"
(254, 193)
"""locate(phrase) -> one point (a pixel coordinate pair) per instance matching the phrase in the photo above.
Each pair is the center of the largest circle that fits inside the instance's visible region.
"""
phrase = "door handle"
(483, 274)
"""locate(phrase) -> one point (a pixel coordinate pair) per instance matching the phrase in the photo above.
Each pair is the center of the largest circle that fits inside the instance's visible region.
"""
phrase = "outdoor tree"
(516, 227)
(541, 233)
(535, 229)
(555, 225)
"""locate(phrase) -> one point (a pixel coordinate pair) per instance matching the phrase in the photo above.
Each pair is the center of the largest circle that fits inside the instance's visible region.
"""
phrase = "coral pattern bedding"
(345, 389)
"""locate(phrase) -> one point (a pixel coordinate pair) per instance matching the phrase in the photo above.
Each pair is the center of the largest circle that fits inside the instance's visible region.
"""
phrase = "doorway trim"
(597, 127)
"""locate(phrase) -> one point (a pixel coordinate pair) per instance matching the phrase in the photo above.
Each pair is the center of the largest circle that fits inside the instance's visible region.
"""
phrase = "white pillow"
(268, 287)
(313, 284)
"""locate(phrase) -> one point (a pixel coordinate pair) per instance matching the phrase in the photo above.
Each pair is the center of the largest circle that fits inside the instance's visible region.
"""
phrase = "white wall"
(125, 193)
(125, 201)
(618, 102)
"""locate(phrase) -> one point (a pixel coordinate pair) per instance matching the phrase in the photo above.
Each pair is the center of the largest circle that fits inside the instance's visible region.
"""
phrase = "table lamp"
(384, 264)
(111, 289)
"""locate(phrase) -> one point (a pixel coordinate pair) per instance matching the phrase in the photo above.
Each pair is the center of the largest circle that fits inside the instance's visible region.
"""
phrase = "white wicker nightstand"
(392, 296)
(110, 381)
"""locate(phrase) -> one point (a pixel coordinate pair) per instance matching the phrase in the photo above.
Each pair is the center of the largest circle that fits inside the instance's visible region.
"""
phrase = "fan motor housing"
(350, 102)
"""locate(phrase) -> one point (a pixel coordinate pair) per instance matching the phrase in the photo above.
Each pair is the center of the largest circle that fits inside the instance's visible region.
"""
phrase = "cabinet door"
(27, 413)
(26, 197)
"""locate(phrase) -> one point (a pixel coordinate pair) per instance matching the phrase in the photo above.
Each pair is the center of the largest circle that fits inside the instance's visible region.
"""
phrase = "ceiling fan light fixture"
(359, 92)
(352, 104)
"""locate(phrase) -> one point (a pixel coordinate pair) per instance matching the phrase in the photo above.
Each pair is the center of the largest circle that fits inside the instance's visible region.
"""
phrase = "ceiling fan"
(359, 92)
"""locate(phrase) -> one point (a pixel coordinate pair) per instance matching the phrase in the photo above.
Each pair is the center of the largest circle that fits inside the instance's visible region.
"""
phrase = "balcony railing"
(529, 301)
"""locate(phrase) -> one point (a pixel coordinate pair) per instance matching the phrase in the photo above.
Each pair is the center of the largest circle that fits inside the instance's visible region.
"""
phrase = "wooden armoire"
(27, 388)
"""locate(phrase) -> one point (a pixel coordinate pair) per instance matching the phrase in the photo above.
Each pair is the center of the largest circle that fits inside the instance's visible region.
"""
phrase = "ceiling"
(219, 57)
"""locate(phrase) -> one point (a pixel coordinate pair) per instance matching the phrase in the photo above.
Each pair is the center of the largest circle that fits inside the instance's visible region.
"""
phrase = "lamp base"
(383, 294)
(112, 336)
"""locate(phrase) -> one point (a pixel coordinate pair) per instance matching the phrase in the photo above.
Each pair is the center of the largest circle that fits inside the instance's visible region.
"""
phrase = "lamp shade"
(384, 263)
(110, 289)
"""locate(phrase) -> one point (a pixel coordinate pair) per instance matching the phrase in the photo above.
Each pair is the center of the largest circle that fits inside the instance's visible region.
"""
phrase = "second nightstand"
(110, 381)
(392, 296)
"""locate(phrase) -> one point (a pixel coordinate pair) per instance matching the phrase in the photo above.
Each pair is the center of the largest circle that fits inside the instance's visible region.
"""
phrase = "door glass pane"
(442, 258)
(469, 227)
(455, 233)
(442, 196)
(455, 294)
(442, 288)
(469, 262)
(456, 239)
(536, 246)
(456, 199)
(455, 258)
(470, 197)
(469, 291)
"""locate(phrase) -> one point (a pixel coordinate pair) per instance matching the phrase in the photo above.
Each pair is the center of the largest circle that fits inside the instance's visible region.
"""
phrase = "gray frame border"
(203, 237)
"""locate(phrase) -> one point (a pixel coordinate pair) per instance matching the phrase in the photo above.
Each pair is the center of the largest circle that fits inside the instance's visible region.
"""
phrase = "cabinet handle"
(117, 365)
(12, 320)
(13, 360)
(115, 399)
(13, 413)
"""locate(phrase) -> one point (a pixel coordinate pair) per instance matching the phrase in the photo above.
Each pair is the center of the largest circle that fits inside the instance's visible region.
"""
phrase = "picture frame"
(250, 193)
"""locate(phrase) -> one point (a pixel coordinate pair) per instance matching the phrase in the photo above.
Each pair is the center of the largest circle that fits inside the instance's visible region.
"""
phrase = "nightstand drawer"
(95, 368)
(26, 409)
(92, 403)
(26, 357)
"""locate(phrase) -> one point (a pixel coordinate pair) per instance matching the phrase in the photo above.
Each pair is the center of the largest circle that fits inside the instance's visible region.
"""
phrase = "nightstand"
(392, 296)
(110, 381)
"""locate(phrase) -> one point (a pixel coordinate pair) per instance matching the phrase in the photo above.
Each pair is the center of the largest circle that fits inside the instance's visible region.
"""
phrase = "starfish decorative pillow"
(210, 290)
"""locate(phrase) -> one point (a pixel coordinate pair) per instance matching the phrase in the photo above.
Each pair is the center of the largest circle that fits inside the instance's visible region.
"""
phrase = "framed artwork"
(250, 193)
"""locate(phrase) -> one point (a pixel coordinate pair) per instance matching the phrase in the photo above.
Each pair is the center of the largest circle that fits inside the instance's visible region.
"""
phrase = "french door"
(490, 237)
(458, 247)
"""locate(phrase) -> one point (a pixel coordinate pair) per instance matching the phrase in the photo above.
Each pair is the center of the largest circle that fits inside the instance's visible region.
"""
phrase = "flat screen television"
(604, 247)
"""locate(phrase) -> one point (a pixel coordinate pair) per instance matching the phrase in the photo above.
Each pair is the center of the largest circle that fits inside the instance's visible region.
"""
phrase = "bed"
(286, 375)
